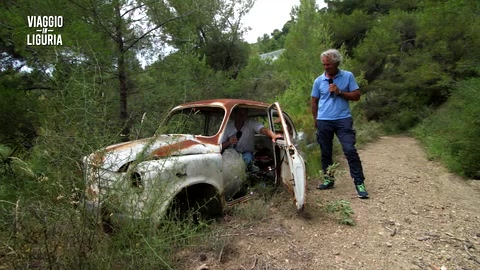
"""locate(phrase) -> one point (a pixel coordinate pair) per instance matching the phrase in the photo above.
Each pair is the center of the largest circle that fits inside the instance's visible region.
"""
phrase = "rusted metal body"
(144, 178)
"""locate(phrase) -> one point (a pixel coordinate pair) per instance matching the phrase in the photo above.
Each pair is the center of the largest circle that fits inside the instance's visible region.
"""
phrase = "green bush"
(451, 132)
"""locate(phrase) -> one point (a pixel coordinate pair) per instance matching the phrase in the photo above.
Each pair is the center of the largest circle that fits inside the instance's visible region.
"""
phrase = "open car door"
(292, 166)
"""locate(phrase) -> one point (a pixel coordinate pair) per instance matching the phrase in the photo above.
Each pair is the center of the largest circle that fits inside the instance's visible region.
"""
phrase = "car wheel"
(196, 203)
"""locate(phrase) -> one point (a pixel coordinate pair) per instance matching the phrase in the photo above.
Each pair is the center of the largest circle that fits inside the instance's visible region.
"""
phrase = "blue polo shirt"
(331, 107)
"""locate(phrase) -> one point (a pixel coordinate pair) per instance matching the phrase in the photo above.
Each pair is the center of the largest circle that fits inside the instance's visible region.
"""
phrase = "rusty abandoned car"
(183, 167)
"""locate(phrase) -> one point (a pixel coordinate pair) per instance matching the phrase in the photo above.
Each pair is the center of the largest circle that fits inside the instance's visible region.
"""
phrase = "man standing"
(331, 94)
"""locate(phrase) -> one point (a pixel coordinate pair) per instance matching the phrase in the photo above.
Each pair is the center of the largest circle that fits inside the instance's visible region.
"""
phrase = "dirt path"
(419, 216)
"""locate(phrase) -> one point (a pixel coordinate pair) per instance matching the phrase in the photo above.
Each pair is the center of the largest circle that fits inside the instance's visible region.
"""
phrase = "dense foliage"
(451, 133)
(123, 64)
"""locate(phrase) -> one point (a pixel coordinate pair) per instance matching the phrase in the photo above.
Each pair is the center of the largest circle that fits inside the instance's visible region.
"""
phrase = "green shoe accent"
(327, 183)
(361, 191)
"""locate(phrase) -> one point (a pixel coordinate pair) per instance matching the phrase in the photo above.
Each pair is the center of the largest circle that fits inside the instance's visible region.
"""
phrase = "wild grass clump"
(343, 209)
(451, 133)
(41, 229)
(141, 245)
(262, 195)
(367, 132)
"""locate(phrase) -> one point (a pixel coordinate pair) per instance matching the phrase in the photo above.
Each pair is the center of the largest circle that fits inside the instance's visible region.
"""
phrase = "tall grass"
(43, 223)
(451, 133)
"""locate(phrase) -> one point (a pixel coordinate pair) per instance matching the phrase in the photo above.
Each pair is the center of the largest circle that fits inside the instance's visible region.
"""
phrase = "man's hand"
(333, 89)
(270, 134)
(229, 142)
(276, 136)
(232, 140)
(314, 105)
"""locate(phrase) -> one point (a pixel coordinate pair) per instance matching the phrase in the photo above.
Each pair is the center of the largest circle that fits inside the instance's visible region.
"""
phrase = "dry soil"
(419, 216)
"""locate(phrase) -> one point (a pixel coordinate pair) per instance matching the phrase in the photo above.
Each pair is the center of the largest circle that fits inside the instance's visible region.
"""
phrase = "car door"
(292, 172)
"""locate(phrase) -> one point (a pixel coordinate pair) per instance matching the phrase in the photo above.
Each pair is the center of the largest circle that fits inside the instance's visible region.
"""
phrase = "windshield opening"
(204, 121)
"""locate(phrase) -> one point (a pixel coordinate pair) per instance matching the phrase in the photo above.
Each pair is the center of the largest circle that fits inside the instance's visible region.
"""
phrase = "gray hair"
(333, 55)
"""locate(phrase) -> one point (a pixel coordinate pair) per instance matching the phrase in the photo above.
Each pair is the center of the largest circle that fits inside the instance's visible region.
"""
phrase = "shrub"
(450, 132)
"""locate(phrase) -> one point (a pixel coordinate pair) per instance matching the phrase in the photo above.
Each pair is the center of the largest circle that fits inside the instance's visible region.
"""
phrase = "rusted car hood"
(115, 156)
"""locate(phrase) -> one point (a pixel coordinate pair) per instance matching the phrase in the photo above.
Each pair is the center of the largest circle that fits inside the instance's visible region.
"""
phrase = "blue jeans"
(343, 128)
(248, 158)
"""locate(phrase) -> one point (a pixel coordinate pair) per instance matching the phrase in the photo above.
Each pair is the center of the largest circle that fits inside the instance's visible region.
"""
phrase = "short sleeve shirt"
(331, 107)
(246, 143)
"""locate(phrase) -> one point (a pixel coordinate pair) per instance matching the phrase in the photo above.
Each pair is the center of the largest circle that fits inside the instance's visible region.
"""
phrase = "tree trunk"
(122, 76)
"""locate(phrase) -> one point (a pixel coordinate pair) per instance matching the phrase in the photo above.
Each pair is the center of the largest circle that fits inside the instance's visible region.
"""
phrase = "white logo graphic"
(44, 35)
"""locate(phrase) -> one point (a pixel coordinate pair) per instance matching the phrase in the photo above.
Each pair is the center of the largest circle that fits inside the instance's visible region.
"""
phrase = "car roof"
(226, 103)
